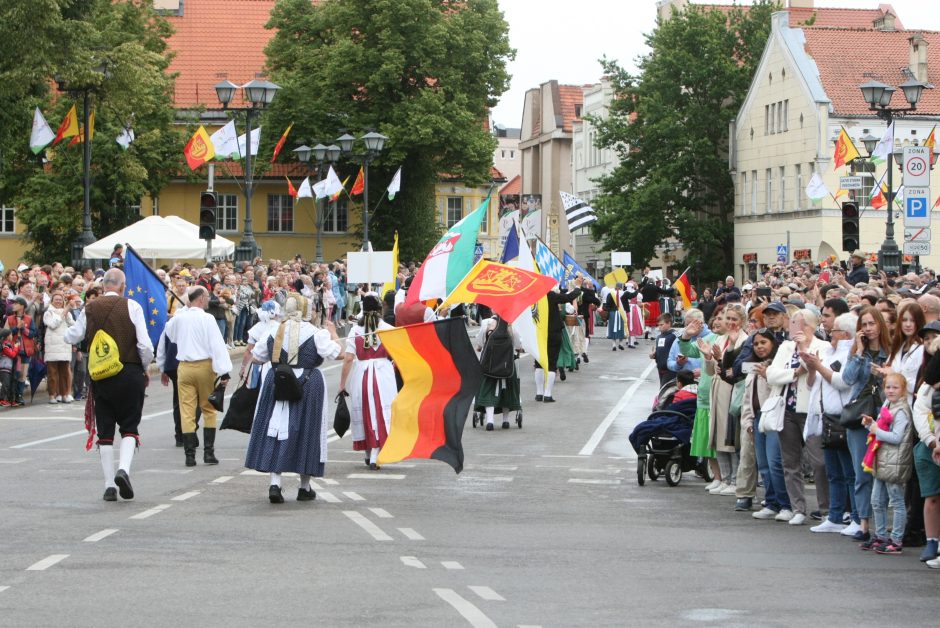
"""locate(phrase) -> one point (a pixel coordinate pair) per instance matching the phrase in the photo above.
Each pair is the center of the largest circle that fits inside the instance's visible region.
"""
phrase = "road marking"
(47, 562)
(356, 497)
(466, 608)
(222, 479)
(146, 417)
(376, 476)
(374, 530)
(14, 461)
(42, 418)
(170, 471)
(529, 626)
(491, 467)
(151, 512)
(607, 471)
(329, 481)
(485, 478)
(411, 534)
(185, 496)
(487, 594)
(97, 536)
(332, 439)
(452, 565)
(560, 456)
(598, 434)
(584, 481)
(381, 513)
(411, 561)
(253, 472)
(329, 497)
(506, 455)
(3, 588)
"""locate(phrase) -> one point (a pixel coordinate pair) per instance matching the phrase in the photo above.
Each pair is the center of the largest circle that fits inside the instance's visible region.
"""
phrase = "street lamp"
(321, 154)
(259, 94)
(878, 96)
(374, 143)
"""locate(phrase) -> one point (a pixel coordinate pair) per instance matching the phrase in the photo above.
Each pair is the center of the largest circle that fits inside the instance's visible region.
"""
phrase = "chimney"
(885, 23)
(800, 4)
(917, 57)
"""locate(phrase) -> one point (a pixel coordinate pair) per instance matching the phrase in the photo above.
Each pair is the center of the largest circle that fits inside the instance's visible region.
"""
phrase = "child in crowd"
(890, 459)
(8, 354)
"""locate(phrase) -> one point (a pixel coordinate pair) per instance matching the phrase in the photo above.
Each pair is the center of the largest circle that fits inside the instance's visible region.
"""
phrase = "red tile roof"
(513, 187)
(572, 97)
(842, 73)
(825, 17)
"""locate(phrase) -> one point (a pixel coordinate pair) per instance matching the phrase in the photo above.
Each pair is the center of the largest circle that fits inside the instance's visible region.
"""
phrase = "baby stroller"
(662, 443)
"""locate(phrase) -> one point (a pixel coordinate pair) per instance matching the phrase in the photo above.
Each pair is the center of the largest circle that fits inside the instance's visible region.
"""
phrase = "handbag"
(217, 397)
(241, 409)
(772, 411)
(286, 385)
(866, 403)
(833, 434)
(341, 418)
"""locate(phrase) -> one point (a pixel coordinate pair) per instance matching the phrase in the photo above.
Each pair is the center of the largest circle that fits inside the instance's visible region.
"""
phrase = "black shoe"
(304, 495)
(585, 357)
(110, 494)
(179, 441)
(367, 460)
(124, 484)
(561, 375)
(489, 427)
(274, 495)
(816, 515)
(374, 467)
(743, 504)
(621, 348)
(189, 448)
(548, 400)
(614, 348)
(539, 397)
(505, 425)
(208, 453)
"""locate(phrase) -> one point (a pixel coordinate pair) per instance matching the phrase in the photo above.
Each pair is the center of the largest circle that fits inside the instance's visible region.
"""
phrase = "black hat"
(776, 306)
(933, 326)
(20, 300)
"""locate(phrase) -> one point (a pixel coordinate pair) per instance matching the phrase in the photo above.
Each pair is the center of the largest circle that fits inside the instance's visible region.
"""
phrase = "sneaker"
(828, 526)
(765, 514)
(713, 484)
(933, 564)
(798, 519)
(847, 518)
(851, 529)
(930, 551)
(816, 515)
(891, 548)
(731, 490)
(861, 537)
(718, 489)
(53, 400)
(743, 504)
(871, 544)
(68, 399)
(784, 515)
(4, 403)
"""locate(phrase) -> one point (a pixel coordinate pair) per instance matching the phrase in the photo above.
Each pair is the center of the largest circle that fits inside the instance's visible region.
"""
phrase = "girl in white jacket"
(58, 353)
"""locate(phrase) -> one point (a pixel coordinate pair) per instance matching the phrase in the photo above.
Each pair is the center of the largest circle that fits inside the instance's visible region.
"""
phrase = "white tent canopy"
(158, 237)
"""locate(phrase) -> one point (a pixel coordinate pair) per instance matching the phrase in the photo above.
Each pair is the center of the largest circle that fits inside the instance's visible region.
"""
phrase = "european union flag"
(144, 287)
(573, 267)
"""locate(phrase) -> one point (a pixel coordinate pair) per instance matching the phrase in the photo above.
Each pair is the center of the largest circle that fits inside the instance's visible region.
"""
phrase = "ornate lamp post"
(321, 155)
(374, 143)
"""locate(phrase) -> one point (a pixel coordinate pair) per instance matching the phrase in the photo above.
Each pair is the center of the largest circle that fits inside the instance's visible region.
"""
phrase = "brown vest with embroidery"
(110, 313)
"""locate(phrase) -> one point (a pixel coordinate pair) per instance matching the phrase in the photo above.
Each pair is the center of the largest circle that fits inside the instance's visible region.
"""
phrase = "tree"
(669, 125)
(118, 50)
(422, 72)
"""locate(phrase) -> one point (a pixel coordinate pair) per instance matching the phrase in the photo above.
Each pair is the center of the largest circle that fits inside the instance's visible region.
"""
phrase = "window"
(786, 115)
(773, 118)
(454, 210)
(783, 188)
(512, 154)
(866, 170)
(766, 119)
(769, 202)
(743, 193)
(280, 212)
(336, 218)
(226, 216)
(503, 154)
(155, 205)
(780, 117)
(7, 219)
(753, 191)
(484, 226)
(799, 187)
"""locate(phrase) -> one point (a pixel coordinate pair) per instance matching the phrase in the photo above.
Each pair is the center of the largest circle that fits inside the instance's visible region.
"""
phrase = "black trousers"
(119, 403)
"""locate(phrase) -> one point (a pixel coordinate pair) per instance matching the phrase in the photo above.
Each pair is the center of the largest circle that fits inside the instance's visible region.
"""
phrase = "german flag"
(441, 376)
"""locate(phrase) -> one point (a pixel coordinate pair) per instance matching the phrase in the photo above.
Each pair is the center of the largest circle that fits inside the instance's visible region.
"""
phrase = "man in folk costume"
(498, 344)
(118, 400)
(616, 305)
(667, 299)
(587, 304)
(651, 293)
(635, 324)
(556, 329)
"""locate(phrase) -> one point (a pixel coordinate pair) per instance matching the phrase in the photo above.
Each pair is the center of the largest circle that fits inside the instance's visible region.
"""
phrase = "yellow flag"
(199, 150)
(69, 126)
(845, 150)
(389, 285)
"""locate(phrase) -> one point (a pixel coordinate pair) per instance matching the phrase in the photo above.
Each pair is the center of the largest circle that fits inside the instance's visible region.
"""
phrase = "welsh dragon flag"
(449, 261)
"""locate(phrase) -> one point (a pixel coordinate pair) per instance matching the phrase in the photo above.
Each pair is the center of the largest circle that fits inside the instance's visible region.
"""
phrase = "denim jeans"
(857, 439)
(885, 495)
(240, 322)
(841, 476)
(221, 324)
(770, 466)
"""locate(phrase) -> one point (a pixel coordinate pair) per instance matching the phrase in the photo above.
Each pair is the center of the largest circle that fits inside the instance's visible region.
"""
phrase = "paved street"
(546, 526)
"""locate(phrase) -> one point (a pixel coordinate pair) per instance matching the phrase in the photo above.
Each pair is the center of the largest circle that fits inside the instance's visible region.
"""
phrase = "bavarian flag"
(441, 375)
(507, 290)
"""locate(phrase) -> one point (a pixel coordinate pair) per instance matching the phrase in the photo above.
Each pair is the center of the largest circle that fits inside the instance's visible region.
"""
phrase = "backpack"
(287, 387)
(498, 357)
(104, 359)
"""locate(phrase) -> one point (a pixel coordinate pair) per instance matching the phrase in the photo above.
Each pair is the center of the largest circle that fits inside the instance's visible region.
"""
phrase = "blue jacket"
(691, 363)
(856, 372)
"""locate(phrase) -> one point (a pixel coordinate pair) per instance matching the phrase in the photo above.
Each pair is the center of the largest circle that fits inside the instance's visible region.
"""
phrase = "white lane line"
(529, 626)
(452, 565)
(466, 608)
(376, 476)
(505, 455)
(3, 588)
(411, 561)
(253, 472)
(487, 594)
(14, 461)
(411, 534)
(381, 513)
(75, 419)
(47, 562)
(356, 497)
(48, 440)
(151, 512)
(560, 456)
(367, 525)
(332, 439)
(485, 478)
(491, 467)
(97, 536)
(329, 481)
(221, 479)
(328, 497)
(584, 481)
(598, 434)
(185, 496)
(607, 471)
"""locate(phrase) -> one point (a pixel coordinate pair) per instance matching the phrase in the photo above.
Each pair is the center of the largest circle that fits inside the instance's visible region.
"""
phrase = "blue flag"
(549, 264)
(573, 267)
(511, 247)
(144, 287)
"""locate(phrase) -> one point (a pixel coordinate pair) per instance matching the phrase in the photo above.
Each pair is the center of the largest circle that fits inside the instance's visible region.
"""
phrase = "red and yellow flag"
(280, 143)
(931, 141)
(291, 190)
(81, 133)
(199, 150)
(441, 375)
(336, 196)
(508, 291)
(359, 185)
(845, 150)
(69, 126)
(684, 287)
(879, 200)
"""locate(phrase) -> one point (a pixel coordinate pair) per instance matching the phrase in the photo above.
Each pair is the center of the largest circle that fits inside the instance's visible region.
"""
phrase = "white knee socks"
(551, 384)
(489, 415)
(106, 453)
(540, 381)
(128, 445)
(373, 455)
(505, 416)
(276, 479)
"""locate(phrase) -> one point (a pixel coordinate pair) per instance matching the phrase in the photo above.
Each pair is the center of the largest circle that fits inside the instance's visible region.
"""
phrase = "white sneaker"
(53, 400)
(851, 529)
(718, 489)
(68, 399)
(784, 515)
(798, 519)
(712, 484)
(731, 490)
(828, 526)
(765, 513)
(933, 564)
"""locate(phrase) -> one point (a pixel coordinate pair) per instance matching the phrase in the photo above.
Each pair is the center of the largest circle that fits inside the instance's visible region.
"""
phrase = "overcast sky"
(560, 39)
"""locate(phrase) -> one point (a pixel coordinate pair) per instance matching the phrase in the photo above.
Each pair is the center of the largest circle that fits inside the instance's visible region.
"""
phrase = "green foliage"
(669, 125)
(44, 40)
(422, 72)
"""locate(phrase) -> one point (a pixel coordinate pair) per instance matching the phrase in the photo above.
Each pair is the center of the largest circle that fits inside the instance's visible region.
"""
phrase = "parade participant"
(575, 332)
(290, 435)
(635, 326)
(587, 305)
(368, 377)
(269, 317)
(498, 344)
(119, 399)
(556, 329)
(56, 352)
(649, 289)
(616, 306)
(202, 356)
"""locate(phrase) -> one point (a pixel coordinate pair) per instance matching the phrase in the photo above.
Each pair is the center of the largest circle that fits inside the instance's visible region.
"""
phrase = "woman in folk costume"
(635, 323)
(544, 387)
(290, 436)
(576, 332)
(369, 379)
(498, 344)
(617, 304)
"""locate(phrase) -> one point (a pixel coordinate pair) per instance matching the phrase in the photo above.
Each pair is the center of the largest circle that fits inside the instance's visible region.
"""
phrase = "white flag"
(255, 141)
(332, 184)
(885, 146)
(125, 139)
(395, 185)
(225, 141)
(304, 191)
(42, 134)
(816, 189)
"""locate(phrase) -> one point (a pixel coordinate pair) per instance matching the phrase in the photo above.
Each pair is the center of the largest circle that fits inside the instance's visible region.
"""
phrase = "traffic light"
(850, 233)
(208, 202)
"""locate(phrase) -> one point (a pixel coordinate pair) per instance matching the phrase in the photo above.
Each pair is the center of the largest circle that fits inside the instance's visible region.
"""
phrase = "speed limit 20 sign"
(916, 166)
